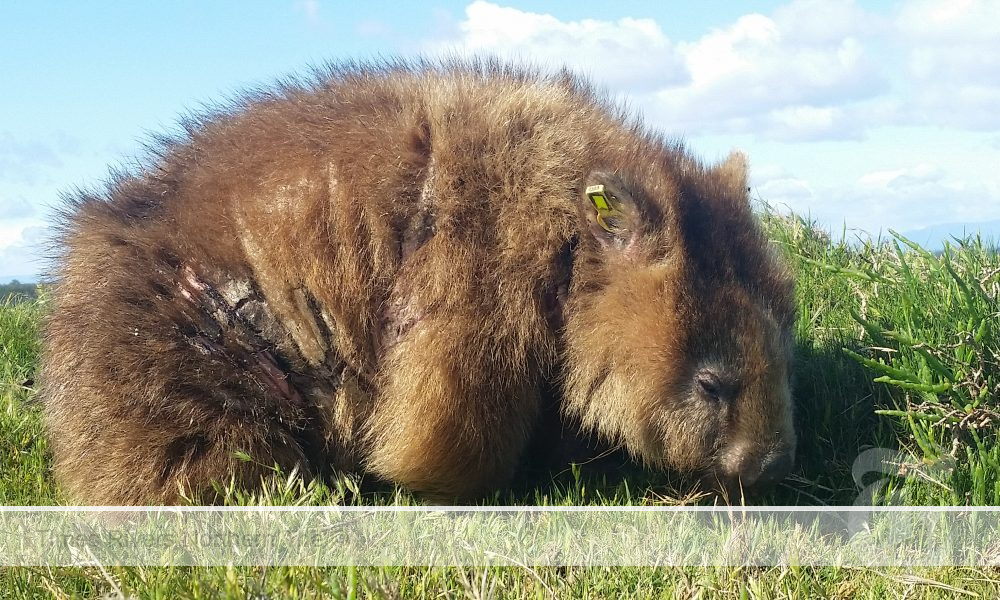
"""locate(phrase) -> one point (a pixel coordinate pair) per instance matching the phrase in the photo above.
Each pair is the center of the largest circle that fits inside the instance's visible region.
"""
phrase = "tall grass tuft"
(925, 328)
(931, 322)
(25, 477)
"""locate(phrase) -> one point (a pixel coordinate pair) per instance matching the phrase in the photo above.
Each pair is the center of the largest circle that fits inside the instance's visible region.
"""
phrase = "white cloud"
(953, 61)
(784, 77)
(953, 22)
(903, 179)
(762, 75)
(790, 192)
(825, 22)
(628, 54)
(908, 198)
(811, 70)
(807, 123)
(23, 256)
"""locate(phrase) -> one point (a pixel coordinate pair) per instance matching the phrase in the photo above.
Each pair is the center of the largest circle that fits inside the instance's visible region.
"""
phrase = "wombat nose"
(754, 472)
(775, 466)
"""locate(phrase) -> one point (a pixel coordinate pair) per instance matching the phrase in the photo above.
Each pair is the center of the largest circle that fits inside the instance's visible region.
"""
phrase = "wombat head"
(678, 326)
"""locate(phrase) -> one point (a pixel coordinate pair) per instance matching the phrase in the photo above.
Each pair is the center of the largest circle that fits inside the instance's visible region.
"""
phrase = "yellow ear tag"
(603, 202)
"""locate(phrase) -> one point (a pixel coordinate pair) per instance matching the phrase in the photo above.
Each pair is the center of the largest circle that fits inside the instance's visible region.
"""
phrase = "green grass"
(24, 466)
(896, 348)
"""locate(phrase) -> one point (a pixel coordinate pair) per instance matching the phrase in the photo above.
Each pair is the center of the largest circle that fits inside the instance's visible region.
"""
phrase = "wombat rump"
(389, 268)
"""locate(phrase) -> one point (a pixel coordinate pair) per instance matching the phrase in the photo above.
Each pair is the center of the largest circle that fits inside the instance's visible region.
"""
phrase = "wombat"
(383, 267)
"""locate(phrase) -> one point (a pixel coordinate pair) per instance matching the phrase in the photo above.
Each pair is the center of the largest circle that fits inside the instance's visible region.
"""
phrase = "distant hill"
(934, 237)
(16, 291)
(18, 278)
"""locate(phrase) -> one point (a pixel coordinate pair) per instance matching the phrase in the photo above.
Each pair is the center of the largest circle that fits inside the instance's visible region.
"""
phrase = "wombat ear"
(611, 210)
(733, 171)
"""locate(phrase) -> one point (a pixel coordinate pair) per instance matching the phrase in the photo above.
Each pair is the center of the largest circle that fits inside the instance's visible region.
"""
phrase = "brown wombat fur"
(385, 267)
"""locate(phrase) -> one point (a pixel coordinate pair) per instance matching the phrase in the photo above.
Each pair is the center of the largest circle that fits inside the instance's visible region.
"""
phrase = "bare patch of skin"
(231, 328)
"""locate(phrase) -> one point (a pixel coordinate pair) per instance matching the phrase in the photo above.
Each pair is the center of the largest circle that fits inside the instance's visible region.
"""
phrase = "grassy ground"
(897, 348)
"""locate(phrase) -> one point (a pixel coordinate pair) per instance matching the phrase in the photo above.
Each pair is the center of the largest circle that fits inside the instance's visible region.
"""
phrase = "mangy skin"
(385, 267)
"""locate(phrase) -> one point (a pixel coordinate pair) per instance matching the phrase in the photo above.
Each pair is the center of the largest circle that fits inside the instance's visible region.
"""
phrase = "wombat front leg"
(452, 418)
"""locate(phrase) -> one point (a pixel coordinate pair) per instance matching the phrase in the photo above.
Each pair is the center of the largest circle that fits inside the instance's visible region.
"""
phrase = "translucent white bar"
(595, 536)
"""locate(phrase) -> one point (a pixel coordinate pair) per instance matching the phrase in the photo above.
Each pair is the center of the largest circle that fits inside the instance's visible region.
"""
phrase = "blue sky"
(870, 116)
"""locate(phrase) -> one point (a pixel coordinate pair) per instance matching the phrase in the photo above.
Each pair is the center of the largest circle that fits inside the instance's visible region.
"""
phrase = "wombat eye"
(709, 384)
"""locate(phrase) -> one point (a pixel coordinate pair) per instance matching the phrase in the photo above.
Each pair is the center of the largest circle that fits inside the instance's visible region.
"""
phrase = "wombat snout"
(749, 470)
